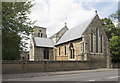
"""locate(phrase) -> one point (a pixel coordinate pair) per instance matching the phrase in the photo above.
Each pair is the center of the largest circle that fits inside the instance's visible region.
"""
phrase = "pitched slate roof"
(43, 42)
(76, 32)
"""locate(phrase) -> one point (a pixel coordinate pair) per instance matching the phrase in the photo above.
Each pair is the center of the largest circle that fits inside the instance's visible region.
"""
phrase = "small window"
(41, 34)
(59, 50)
(46, 53)
(91, 42)
(38, 34)
(65, 50)
(83, 47)
(96, 40)
(101, 43)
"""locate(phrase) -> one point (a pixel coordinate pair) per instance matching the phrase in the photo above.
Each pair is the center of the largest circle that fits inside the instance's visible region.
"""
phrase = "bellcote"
(40, 32)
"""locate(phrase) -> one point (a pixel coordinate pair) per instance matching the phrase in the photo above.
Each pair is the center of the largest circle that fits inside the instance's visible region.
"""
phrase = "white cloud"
(52, 14)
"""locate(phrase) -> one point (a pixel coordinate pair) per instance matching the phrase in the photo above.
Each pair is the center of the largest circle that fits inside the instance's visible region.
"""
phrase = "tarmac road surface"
(79, 75)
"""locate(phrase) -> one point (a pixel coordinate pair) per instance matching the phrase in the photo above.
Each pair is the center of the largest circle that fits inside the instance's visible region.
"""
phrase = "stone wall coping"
(18, 62)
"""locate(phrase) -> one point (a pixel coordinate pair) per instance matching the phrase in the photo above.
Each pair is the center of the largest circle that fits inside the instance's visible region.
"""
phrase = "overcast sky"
(52, 14)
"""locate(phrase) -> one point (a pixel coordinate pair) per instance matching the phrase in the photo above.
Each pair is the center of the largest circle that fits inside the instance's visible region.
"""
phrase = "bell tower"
(40, 32)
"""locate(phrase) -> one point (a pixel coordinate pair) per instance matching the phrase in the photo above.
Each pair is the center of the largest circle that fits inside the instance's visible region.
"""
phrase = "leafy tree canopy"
(109, 27)
(15, 21)
(113, 34)
(114, 45)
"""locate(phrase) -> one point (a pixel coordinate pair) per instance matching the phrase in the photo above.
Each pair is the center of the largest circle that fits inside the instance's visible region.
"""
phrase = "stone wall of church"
(78, 49)
(87, 34)
(83, 47)
(92, 29)
(39, 54)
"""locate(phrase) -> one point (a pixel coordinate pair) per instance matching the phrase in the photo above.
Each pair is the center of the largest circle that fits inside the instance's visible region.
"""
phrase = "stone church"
(86, 40)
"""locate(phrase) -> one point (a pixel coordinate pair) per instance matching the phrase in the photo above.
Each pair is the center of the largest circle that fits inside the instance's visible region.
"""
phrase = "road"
(99, 75)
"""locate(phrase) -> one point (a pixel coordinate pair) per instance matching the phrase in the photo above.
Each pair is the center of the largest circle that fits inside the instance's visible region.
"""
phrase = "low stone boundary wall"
(97, 61)
(116, 65)
(44, 66)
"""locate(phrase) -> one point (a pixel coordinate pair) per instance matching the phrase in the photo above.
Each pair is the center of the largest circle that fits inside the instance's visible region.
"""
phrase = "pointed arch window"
(38, 34)
(72, 51)
(41, 34)
(91, 42)
(101, 43)
(65, 50)
(96, 40)
(59, 50)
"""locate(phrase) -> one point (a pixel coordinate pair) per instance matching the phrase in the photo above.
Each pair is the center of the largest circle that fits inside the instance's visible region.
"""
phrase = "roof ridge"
(59, 31)
(83, 24)
(41, 37)
(43, 42)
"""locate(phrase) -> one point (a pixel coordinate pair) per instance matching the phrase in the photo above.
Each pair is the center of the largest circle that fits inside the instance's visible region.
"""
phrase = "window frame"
(41, 34)
(101, 43)
(72, 52)
(38, 34)
(46, 54)
(59, 51)
(97, 36)
(91, 42)
(65, 50)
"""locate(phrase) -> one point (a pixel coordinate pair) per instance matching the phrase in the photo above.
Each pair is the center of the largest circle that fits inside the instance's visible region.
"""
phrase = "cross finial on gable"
(96, 11)
(65, 24)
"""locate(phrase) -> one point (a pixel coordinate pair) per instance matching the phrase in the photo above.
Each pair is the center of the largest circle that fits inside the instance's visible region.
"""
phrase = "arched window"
(91, 42)
(59, 50)
(41, 34)
(38, 34)
(96, 40)
(101, 43)
(65, 50)
(72, 51)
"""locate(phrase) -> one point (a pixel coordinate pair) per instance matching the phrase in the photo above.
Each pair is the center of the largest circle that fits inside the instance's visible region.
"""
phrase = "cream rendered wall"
(32, 50)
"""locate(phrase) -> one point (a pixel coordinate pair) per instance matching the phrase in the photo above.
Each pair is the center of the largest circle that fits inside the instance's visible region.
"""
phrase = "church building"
(81, 43)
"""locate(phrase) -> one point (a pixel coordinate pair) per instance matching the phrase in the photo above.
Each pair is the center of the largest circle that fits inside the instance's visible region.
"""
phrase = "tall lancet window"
(91, 42)
(101, 43)
(96, 40)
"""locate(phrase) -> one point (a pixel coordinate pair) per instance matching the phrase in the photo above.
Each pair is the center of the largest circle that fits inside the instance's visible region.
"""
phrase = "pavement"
(76, 75)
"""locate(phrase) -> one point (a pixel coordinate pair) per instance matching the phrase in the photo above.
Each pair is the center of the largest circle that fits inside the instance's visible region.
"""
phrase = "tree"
(114, 45)
(113, 34)
(15, 21)
(109, 27)
(116, 18)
